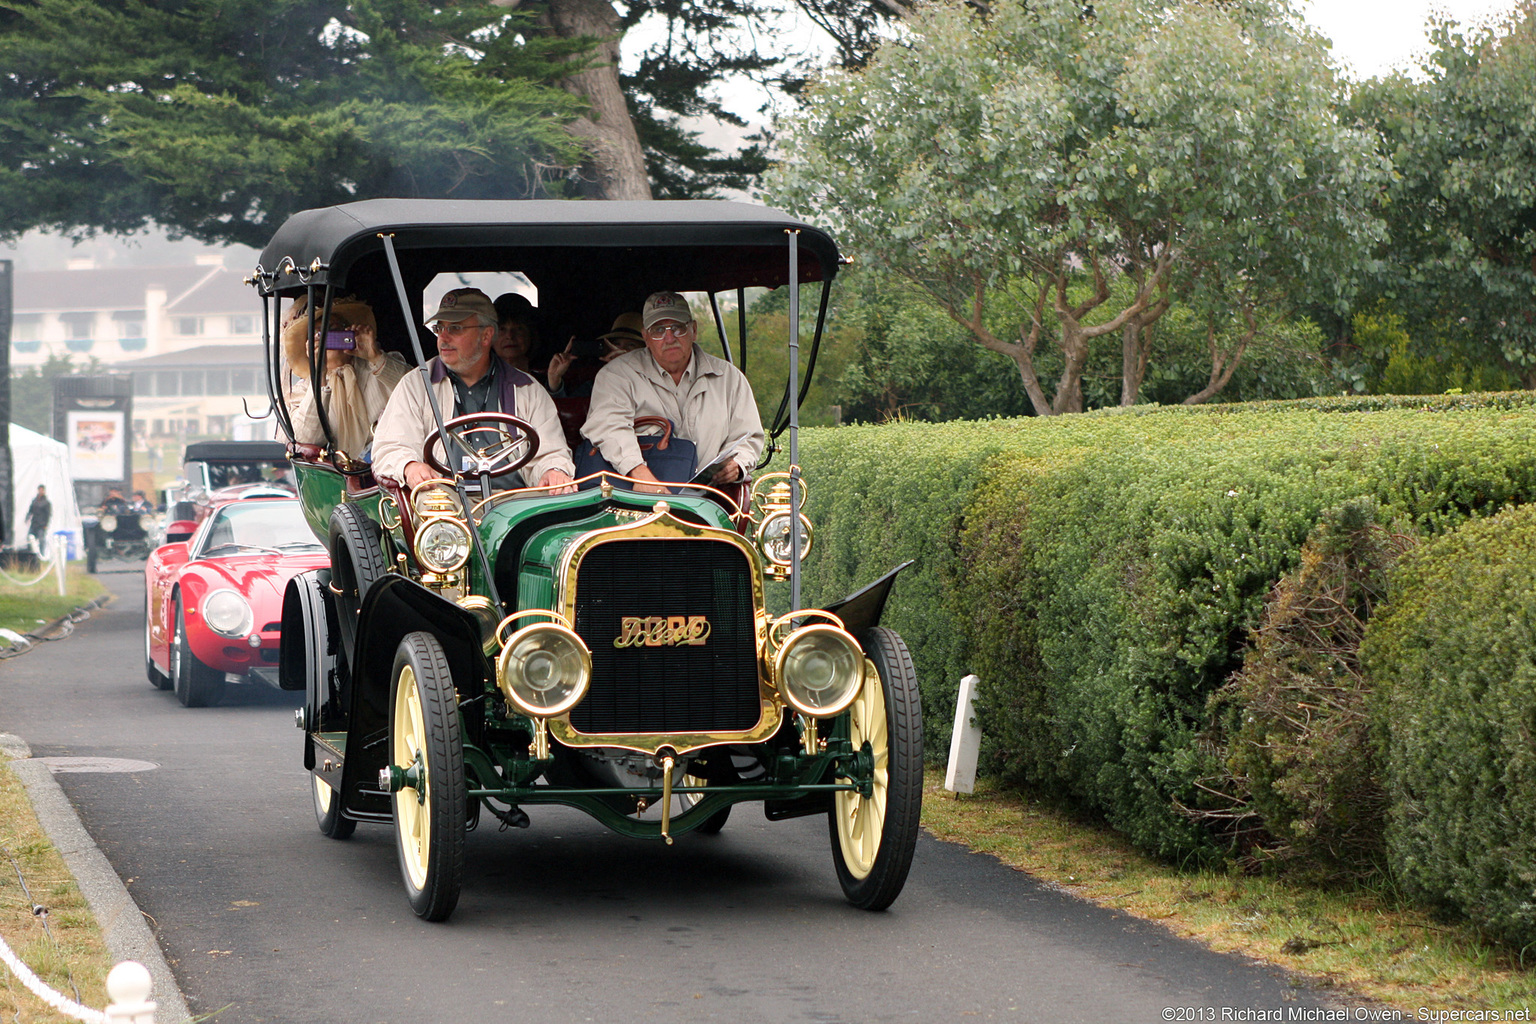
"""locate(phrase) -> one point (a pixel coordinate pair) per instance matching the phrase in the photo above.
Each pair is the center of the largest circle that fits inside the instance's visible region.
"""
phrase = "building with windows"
(189, 334)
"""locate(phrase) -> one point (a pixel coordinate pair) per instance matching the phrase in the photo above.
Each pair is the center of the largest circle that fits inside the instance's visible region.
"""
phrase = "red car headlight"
(227, 613)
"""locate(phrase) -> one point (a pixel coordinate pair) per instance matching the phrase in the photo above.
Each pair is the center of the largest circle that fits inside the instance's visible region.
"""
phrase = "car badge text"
(662, 631)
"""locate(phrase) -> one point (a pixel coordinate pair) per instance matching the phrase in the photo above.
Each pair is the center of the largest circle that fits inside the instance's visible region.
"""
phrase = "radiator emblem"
(662, 631)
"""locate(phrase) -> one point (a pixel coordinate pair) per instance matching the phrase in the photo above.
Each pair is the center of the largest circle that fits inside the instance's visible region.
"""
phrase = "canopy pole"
(741, 325)
(437, 415)
(315, 378)
(794, 417)
(725, 341)
(269, 315)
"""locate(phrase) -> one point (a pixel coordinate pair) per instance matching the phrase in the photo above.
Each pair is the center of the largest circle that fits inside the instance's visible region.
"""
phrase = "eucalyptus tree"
(1190, 150)
(1462, 210)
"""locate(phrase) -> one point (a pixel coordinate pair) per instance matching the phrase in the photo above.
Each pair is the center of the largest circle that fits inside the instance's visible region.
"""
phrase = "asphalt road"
(265, 919)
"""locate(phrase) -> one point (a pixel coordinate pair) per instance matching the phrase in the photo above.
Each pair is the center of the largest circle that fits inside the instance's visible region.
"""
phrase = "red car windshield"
(258, 526)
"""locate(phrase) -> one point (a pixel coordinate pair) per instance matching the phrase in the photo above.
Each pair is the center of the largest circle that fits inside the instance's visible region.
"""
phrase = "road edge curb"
(122, 923)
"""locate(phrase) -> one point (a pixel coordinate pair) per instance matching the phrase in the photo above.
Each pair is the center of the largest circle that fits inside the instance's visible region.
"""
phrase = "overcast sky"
(1372, 37)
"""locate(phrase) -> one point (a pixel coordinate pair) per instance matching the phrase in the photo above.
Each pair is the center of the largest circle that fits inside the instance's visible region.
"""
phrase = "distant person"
(38, 515)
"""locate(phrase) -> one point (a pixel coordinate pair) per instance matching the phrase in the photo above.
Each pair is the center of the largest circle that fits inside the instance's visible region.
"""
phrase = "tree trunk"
(1223, 364)
(1074, 350)
(615, 167)
(1133, 362)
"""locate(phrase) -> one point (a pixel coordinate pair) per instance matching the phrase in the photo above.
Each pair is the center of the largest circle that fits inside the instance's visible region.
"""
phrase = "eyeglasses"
(441, 328)
(662, 330)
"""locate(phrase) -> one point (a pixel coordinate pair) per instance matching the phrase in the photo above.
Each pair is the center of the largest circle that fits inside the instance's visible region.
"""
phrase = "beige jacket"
(374, 382)
(712, 406)
(407, 423)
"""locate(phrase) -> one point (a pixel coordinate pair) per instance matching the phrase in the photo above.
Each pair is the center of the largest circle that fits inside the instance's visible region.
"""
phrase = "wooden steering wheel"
(514, 444)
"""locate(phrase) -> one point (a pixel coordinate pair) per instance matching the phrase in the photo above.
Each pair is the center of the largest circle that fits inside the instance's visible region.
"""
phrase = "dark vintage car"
(213, 472)
(119, 529)
(470, 654)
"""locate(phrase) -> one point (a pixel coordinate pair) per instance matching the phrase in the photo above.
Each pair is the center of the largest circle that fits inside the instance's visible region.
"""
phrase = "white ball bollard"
(128, 986)
(964, 741)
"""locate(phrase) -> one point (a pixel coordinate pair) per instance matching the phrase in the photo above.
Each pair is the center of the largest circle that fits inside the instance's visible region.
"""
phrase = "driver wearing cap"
(467, 378)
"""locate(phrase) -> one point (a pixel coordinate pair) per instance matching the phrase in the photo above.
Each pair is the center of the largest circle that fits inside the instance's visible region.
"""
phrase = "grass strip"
(71, 947)
(1365, 943)
(26, 608)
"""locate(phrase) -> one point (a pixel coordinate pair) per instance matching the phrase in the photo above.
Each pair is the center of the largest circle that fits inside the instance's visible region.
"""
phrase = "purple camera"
(344, 340)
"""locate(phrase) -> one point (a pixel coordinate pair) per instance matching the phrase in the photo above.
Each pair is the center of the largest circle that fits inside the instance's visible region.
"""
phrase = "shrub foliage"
(1103, 573)
(1453, 656)
(1292, 727)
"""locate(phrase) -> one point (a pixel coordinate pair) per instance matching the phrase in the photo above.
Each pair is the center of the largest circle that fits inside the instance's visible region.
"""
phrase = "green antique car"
(472, 651)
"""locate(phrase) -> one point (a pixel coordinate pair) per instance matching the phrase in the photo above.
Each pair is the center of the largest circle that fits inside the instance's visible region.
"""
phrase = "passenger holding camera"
(358, 376)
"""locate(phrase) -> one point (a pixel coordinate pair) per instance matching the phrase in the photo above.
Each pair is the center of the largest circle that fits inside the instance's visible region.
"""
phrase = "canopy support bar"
(794, 417)
(725, 341)
(437, 415)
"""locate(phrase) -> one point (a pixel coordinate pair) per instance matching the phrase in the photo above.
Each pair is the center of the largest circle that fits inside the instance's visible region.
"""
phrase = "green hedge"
(1453, 659)
(1102, 572)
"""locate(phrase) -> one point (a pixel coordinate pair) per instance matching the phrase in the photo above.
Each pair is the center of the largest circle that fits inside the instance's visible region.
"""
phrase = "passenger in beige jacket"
(468, 378)
(707, 399)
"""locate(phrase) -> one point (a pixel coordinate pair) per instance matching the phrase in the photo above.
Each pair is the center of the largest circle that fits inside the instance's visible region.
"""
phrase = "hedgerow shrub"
(1453, 659)
(1102, 572)
(880, 496)
(1302, 782)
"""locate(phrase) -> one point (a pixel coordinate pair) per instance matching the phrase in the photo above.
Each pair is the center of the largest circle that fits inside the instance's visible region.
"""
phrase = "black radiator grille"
(711, 687)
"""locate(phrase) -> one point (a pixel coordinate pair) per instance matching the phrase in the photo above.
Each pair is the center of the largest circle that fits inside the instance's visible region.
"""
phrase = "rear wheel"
(357, 560)
(715, 822)
(196, 684)
(328, 811)
(426, 747)
(873, 836)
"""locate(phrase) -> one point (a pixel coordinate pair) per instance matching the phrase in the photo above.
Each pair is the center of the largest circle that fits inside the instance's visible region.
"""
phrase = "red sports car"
(213, 603)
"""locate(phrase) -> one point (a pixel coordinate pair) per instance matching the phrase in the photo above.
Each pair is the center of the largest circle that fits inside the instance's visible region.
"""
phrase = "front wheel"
(873, 837)
(428, 753)
(197, 685)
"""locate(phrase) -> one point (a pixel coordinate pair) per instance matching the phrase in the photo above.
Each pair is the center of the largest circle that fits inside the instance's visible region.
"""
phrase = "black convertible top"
(682, 245)
(236, 451)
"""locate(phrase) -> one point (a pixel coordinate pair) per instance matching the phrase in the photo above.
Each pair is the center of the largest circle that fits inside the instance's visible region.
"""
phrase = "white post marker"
(128, 986)
(964, 741)
(59, 565)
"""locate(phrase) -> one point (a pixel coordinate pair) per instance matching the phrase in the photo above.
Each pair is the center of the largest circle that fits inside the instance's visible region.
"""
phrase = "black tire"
(357, 560)
(873, 838)
(196, 684)
(714, 823)
(91, 555)
(429, 827)
(159, 680)
(328, 810)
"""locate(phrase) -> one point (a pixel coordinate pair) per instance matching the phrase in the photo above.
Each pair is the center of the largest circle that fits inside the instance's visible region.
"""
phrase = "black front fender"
(861, 610)
(394, 607)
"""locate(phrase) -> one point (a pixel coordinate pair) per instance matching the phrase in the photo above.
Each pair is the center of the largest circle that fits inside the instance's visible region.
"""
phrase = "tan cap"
(462, 303)
(665, 306)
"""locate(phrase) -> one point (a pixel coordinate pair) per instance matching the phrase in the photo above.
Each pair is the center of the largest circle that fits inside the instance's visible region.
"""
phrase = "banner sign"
(97, 441)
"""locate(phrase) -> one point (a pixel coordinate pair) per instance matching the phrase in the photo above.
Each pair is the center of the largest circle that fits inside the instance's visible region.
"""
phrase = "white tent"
(35, 460)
